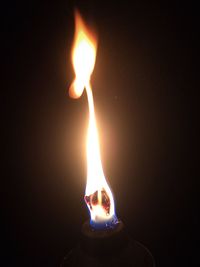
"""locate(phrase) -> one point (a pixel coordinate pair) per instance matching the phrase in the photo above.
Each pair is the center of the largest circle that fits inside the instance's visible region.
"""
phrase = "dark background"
(144, 84)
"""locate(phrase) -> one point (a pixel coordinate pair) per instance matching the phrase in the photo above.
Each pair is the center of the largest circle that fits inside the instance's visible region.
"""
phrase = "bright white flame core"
(95, 177)
(84, 67)
(98, 197)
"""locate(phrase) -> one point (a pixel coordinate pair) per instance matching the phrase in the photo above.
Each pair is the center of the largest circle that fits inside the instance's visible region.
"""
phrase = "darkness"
(144, 84)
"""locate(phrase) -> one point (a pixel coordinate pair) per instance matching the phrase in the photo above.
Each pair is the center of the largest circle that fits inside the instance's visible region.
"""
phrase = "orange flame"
(83, 56)
(98, 195)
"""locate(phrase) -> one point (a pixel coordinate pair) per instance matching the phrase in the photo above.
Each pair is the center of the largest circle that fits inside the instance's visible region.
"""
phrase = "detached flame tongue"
(98, 196)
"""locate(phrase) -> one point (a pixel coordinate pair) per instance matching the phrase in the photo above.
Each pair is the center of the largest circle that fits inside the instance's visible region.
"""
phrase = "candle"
(98, 196)
(103, 241)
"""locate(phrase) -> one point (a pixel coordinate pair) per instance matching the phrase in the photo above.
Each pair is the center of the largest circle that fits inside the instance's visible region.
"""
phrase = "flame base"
(99, 205)
(101, 225)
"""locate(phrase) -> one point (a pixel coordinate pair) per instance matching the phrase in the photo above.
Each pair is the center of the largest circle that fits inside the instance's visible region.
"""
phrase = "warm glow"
(98, 195)
(83, 57)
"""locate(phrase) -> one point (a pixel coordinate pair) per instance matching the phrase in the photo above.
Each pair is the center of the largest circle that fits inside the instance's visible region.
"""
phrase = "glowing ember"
(98, 196)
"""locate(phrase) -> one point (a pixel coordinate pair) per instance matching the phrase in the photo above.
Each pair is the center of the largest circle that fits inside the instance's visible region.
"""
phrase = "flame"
(98, 195)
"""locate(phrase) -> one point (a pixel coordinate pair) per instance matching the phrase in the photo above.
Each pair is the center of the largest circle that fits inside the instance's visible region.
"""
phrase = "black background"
(144, 86)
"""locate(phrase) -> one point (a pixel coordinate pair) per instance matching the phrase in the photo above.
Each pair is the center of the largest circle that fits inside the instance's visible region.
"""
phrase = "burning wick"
(98, 196)
(104, 240)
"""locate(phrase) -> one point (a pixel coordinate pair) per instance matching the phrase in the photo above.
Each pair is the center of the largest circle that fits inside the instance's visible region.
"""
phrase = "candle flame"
(98, 195)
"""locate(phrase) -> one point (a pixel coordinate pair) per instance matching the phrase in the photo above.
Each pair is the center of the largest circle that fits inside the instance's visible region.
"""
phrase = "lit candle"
(98, 195)
(103, 241)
